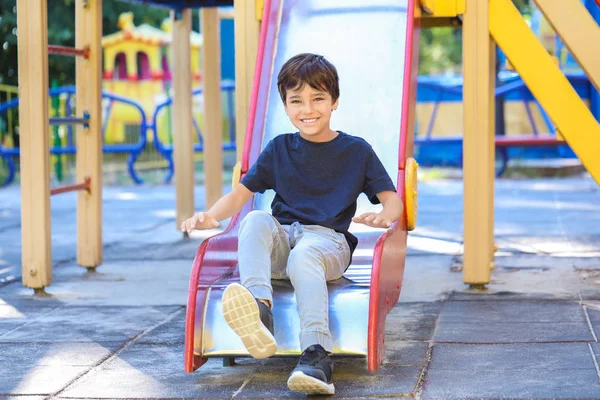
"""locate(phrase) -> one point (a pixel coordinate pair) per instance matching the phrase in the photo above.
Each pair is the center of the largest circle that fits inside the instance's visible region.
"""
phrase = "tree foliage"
(441, 48)
(61, 31)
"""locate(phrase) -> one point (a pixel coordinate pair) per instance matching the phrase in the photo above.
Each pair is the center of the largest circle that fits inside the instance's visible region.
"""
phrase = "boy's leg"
(260, 247)
(320, 255)
(263, 250)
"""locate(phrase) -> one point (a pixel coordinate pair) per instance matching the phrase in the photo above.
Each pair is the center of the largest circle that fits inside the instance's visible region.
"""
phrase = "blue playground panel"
(447, 151)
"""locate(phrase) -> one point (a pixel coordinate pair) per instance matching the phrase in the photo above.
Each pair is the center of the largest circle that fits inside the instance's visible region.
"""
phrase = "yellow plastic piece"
(411, 193)
(578, 31)
(260, 6)
(237, 173)
(444, 8)
(547, 83)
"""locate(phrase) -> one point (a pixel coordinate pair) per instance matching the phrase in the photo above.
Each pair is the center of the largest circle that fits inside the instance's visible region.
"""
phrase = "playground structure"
(34, 155)
(136, 107)
(136, 66)
(283, 27)
(136, 100)
(523, 128)
(379, 262)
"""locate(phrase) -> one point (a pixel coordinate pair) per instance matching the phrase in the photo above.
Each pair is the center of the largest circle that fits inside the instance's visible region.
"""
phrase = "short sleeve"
(260, 176)
(377, 179)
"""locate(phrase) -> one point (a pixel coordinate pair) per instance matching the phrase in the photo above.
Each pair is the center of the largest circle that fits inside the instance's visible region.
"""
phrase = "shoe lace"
(311, 356)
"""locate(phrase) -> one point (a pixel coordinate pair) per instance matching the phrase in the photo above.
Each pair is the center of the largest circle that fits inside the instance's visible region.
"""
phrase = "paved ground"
(119, 333)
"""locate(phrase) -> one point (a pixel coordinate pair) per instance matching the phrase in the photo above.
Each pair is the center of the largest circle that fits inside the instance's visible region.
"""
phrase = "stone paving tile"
(595, 348)
(412, 321)
(143, 371)
(590, 294)
(18, 313)
(512, 333)
(90, 324)
(45, 368)
(593, 312)
(510, 311)
(37, 380)
(402, 353)
(540, 261)
(433, 269)
(56, 354)
(535, 371)
(511, 296)
(512, 322)
(23, 397)
(350, 379)
(115, 283)
(156, 371)
(538, 241)
(170, 333)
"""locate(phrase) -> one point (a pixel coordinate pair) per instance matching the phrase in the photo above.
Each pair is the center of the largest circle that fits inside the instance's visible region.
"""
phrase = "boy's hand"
(374, 220)
(199, 221)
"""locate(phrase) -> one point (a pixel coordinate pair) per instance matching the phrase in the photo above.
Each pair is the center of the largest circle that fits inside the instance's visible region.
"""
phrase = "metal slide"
(374, 46)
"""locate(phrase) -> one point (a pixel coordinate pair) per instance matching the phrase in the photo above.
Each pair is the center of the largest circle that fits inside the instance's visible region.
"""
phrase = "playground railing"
(516, 84)
(134, 150)
(166, 149)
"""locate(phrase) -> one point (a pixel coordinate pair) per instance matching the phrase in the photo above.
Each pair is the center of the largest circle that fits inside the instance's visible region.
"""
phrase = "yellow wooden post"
(88, 28)
(213, 131)
(580, 32)
(478, 144)
(247, 32)
(183, 150)
(35, 161)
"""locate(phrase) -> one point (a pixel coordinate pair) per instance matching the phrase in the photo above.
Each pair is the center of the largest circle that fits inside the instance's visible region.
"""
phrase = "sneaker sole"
(300, 382)
(242, 315)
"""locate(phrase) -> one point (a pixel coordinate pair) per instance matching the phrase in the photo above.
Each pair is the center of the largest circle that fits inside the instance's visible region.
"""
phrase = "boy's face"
(310, 111)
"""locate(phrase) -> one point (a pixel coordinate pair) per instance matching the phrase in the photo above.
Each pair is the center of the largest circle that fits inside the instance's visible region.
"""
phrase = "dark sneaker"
(313, 373)
(250, 319)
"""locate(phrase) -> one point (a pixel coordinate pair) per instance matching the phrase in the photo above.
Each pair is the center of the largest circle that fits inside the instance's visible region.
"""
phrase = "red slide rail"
(213, 259)
(389, 255)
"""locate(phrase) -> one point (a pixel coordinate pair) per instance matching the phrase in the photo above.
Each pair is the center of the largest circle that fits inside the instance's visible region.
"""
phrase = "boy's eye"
(319, 99)
(295, 101)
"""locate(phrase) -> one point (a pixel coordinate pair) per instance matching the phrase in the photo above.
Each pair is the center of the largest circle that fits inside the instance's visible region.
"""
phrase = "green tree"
(441, 48)
(61, 31)
(440, 51)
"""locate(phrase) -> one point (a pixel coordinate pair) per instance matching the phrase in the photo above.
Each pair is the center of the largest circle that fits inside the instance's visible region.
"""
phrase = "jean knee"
(257, 221)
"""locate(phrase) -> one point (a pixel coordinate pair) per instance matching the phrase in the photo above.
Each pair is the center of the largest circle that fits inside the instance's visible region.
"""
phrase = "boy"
(317, 175)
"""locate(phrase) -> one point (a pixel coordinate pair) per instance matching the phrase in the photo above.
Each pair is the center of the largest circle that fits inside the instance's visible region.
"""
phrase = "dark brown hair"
(311, 69)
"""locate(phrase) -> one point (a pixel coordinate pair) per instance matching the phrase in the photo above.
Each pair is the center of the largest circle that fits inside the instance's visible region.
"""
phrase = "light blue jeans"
(307, 255)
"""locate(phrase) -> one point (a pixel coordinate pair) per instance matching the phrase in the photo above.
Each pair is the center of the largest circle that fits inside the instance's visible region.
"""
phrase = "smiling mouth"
(309, 120)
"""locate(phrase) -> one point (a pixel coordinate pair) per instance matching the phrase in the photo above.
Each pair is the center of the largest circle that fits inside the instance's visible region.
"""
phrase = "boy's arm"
(392, 211)
(224, 208)
(392, 206)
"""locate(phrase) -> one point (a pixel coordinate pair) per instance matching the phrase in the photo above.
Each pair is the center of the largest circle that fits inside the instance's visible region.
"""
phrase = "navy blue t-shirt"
(318, 183)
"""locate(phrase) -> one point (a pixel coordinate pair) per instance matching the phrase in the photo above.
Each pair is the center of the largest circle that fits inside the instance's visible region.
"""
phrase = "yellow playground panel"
(137, 62)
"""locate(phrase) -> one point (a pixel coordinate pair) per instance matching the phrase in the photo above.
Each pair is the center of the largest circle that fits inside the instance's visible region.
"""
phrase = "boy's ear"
(334, 106)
